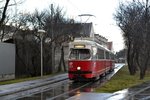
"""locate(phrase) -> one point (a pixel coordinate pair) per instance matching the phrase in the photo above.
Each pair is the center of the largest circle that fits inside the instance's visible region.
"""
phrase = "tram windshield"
(80, 54)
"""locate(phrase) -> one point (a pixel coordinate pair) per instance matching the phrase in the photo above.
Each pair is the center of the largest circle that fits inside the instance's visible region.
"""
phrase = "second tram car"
(88, 60)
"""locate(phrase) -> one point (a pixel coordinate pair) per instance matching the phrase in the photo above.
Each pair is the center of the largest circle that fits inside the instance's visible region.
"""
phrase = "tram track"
(87, 86)
(140, 94)
(23, 95)
(56, 90)
(19, 87)
(44, 88)
(71, 91)
(73, 88)
(53, 87)
(31, 88)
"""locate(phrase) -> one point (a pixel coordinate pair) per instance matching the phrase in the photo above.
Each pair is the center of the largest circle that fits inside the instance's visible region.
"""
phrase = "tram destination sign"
(79, 46)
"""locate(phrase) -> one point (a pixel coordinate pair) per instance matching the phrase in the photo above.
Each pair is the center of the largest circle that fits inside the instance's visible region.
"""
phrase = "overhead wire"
(74, 5)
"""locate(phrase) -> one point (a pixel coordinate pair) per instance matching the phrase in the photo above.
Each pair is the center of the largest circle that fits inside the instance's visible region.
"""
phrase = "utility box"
(7, 61)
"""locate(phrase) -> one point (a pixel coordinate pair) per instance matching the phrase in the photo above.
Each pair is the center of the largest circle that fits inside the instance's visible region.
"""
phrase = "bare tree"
(31, 48)
(59, 30)
(3, 16)
(7, 16)
(133, 19)
(28, 43)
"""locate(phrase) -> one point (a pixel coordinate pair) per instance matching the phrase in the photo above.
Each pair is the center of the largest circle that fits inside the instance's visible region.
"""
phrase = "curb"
(33, 85)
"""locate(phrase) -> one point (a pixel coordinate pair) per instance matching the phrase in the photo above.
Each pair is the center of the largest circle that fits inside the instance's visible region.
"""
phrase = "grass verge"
(122, 80)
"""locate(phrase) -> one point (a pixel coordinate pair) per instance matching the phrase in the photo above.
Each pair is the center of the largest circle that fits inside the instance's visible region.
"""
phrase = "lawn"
(122, 80)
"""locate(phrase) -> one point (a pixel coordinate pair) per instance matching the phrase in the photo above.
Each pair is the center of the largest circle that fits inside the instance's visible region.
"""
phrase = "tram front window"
(79, 54)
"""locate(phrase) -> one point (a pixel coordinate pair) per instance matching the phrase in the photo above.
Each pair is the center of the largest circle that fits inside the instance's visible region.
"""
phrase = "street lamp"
(41, 33)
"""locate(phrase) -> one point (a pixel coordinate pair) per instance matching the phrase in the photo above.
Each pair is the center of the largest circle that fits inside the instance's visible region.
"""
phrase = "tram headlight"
(78, 68)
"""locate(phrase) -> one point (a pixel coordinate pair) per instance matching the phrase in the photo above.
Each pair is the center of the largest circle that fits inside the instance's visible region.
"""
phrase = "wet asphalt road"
(66, 89)
(60, 91)
(50, 88)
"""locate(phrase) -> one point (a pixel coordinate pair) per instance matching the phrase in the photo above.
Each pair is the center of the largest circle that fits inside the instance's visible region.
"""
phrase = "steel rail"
(71, 91)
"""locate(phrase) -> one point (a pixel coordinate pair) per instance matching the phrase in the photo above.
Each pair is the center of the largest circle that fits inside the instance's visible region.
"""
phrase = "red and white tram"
(88, 60)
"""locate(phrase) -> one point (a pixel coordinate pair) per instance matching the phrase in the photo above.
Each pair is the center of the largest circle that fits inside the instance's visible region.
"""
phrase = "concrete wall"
(7, 61)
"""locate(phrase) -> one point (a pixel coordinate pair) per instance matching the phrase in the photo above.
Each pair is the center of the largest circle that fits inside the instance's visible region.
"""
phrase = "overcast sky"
(104, 22)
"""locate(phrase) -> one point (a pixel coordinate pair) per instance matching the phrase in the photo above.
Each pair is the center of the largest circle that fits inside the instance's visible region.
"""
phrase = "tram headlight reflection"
(78, 68)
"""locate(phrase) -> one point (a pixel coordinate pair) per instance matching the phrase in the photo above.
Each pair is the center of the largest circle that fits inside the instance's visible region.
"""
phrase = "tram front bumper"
(80, 74)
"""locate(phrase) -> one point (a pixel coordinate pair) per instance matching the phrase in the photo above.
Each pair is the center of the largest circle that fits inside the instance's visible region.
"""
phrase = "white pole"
(52, 55)
(41, 56)
(41, 33)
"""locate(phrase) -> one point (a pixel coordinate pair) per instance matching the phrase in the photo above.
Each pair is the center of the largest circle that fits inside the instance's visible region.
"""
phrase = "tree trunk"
(4, 13)
(62, 61)
(142, 74)
(129, 59)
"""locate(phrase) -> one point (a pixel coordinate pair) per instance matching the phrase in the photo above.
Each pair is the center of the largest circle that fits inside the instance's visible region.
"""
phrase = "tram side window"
(100, 54)
(112, 56)
(107, 55)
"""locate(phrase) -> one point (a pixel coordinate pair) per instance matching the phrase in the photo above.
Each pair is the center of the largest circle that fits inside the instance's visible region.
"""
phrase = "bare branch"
(4, 12)
(14, 4)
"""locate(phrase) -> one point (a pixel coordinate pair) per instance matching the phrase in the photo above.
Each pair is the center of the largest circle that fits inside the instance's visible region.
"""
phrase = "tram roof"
(89, 41)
